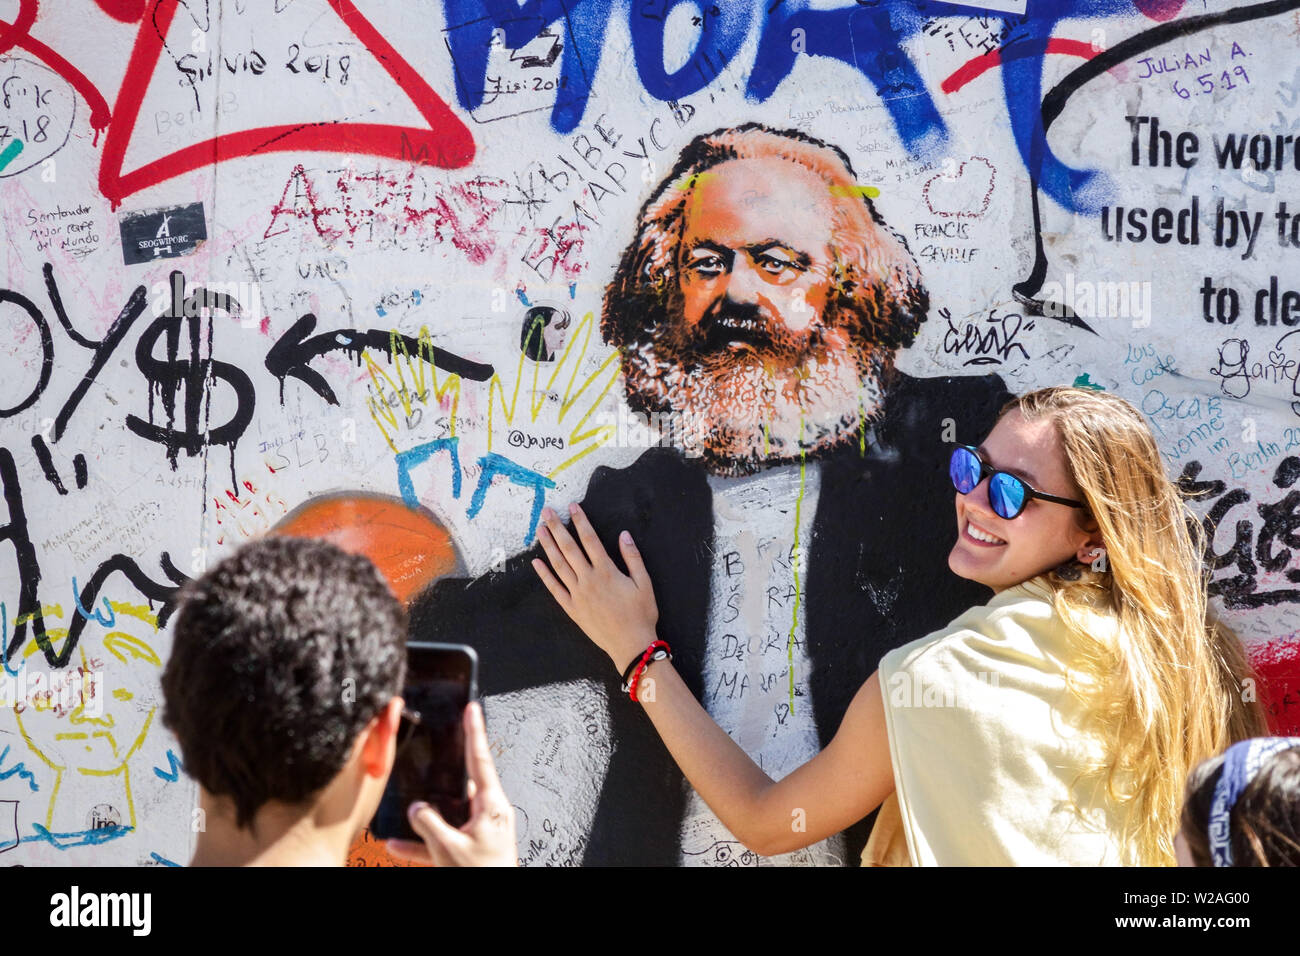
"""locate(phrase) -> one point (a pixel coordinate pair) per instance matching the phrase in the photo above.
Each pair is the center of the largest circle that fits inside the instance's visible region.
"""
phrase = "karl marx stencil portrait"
(763, 295)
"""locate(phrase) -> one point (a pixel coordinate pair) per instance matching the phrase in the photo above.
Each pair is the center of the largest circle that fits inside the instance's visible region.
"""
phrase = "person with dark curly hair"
(1243, 806)
(283, 692)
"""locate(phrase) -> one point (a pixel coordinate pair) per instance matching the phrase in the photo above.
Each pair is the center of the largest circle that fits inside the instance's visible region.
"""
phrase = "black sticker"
(161, 233)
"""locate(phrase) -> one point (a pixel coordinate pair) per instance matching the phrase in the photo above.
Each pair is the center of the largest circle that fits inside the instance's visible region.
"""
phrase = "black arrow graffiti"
(293, 353)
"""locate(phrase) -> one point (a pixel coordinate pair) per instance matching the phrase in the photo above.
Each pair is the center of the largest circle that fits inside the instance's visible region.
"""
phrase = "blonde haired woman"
(1055, 724)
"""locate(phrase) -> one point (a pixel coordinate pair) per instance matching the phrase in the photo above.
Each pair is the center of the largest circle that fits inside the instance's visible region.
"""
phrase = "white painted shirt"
(753, 620)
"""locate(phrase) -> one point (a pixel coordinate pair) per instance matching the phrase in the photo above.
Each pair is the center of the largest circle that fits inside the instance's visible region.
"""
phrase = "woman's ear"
(1092, 551)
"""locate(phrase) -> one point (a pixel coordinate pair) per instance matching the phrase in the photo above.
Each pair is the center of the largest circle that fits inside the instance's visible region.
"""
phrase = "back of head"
(1263, 823)
(282, 654)
(1163, 690)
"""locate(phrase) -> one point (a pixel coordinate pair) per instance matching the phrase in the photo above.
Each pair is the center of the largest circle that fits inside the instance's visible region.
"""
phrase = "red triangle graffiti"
(445, 143)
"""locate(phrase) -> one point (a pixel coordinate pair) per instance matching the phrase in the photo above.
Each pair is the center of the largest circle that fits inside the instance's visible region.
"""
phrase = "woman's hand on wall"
(838, 787)
(617, 611)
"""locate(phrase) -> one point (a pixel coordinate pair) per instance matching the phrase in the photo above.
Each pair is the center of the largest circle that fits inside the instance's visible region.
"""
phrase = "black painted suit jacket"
(876, 577)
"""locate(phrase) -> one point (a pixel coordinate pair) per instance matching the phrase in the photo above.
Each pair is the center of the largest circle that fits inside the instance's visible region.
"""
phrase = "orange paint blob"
(410, 548)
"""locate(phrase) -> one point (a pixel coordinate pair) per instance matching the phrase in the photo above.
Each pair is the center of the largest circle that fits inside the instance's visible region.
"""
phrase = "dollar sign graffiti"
(194, 376)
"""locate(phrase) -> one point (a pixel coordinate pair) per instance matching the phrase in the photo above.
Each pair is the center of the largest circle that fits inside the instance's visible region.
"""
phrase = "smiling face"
(1000, 553)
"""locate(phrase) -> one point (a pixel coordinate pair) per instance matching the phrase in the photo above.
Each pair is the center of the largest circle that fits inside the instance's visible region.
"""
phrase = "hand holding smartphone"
(444, 788)
(441, 679)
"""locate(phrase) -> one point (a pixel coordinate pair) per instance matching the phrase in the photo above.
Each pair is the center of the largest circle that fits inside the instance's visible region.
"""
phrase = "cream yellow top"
(983, 738)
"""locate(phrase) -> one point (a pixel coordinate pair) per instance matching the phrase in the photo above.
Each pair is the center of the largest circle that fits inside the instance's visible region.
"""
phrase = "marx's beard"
(760, 393)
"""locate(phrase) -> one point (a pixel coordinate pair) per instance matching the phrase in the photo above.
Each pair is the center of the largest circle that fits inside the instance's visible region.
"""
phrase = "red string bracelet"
(636, 663)
(657, 650)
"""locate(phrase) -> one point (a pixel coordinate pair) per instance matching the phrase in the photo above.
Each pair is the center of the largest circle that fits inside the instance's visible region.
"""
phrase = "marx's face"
(755, 265)
(756, 340)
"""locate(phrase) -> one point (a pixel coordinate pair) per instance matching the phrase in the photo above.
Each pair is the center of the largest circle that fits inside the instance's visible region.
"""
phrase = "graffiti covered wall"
(728, 273)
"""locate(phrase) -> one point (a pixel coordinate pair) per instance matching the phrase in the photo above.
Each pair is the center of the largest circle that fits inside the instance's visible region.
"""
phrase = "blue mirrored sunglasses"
(1007, 494)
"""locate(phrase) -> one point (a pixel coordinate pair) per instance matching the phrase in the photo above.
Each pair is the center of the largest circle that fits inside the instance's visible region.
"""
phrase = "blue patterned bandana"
(1241, 762)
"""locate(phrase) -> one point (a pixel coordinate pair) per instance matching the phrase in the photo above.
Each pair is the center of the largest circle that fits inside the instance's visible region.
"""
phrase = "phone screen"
(430, 764)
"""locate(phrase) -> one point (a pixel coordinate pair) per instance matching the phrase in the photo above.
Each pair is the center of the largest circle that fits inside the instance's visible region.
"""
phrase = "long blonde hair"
(1164, 689)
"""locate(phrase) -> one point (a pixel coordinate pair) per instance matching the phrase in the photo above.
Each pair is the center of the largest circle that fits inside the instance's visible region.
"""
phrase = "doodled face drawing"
(92, 717)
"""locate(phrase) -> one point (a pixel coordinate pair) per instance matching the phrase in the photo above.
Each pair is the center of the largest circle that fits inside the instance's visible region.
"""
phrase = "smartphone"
(441, 679)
